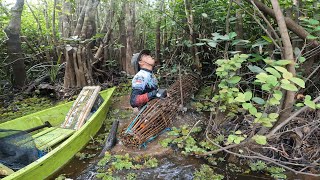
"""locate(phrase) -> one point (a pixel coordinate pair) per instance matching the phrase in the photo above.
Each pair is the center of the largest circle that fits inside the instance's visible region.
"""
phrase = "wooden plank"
(51, 138)
(81, 108)
(43, 132)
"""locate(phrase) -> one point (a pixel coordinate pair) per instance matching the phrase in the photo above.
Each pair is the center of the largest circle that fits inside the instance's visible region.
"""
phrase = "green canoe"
(72, 143)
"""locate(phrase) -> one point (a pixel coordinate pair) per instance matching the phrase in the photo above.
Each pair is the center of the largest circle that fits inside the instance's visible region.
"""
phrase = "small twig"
(192, 129)
(181, 93)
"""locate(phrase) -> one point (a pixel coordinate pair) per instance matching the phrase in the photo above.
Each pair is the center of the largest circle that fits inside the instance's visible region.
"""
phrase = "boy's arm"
(138, 98)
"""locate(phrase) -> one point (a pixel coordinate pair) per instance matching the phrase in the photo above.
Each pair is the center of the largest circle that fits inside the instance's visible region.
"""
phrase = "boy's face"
(147, 60)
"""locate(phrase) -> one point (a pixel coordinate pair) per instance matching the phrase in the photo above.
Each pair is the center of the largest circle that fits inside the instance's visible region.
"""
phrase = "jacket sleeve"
(138, 98)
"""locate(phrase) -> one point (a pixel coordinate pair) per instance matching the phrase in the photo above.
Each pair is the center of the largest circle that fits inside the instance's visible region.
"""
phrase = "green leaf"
(238, 132)
(212, 44)
(313, 21)
(298, 81)
(285, 81)
(299, 104)
(273, 115)
(258, 100)
(240, 98)
(268, 61)
(239, 139)
(311, 37)
(302, 59)
(318, 106)
(199, 44)
(272, 80)
(246, 105)
(253, 110)
(267, 39)
(240, 42)
(204, 15)
(247, 95)
(297, 51)
(231, 138)
(258, 115)
(273, 72)
(277, 96)
(274, 101)
(283, 62)
(307, 98)
(232, 35)
(234, 79)
(266, 87)
(317, 28)
(281, 69)
(310, 104)
(289, 87)
(262, 77)
(262, 140)
(255, 69)
(220, 62)
(287, 75)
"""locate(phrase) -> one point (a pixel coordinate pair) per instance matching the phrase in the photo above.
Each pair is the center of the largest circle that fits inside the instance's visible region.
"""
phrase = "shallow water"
(172, 167)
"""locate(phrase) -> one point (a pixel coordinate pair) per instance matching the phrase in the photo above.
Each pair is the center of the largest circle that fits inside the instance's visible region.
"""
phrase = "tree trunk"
(288, 55)
(123, 41)
(194, 49)
(77, 30)
(89, 25)
(158, 30)
(66, 20)
(14, 45)
(130, 8)
(54, 22)
(239, 27)
(78, 72)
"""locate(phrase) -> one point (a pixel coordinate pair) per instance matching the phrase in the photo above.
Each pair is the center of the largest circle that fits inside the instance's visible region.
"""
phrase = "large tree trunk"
(79, 58)
(239, 27)
(89, 26)
(158, 35)
(78, 71)
(65, 20)
(123, 41)
(54, 22)
(77, 30)
(14, 45)
(130, 9)
(194, 49)
(288, 54)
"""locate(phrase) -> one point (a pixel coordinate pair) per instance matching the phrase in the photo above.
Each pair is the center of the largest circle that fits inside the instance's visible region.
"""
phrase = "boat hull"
(63, 153)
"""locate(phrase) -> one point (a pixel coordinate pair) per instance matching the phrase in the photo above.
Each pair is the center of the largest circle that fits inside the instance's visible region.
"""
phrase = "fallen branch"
(259, 156)
(275, 129)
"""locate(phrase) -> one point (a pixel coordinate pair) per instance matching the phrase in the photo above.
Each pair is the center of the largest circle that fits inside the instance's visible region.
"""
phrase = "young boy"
(144, 83)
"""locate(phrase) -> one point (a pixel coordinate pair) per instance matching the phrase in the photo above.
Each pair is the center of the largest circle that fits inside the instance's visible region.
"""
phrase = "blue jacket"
(144, 87)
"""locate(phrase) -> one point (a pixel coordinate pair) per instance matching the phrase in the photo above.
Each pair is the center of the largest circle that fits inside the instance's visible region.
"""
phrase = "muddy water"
(171, 167)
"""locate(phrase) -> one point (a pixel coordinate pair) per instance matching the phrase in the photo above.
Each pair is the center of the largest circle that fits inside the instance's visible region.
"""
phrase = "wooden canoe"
(56, 158)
